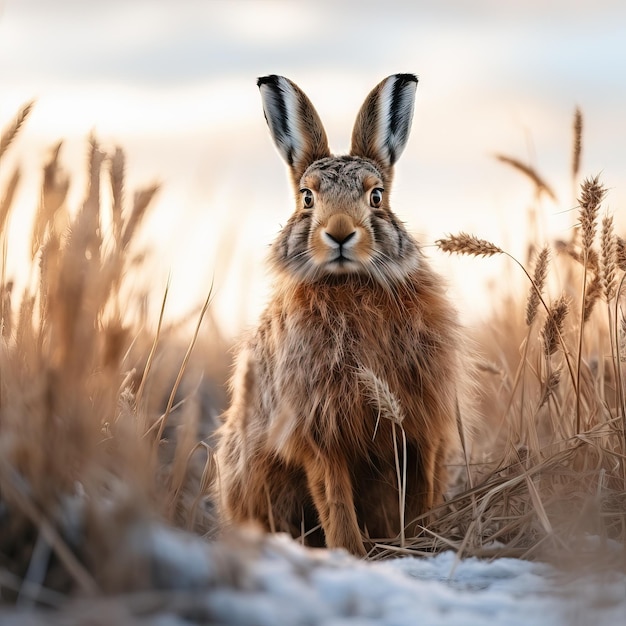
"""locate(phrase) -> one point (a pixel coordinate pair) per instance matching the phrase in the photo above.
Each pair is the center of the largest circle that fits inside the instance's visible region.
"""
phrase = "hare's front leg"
(331, 489)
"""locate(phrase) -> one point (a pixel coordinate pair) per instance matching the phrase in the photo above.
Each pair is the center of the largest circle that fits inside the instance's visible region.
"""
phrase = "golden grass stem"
(592, 193)
(7, 199)
(540, 184)
(7, 137)
(539, 279)
(618, 362)
(150, 359)
(577, 144)
(183, 366)
(401, 477)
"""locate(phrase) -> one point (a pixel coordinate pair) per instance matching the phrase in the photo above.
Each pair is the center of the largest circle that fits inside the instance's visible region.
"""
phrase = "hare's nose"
(341, 239)
(340, 229)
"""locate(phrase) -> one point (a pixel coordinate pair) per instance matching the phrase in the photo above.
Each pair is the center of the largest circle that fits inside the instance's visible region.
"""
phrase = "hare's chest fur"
(333, 360)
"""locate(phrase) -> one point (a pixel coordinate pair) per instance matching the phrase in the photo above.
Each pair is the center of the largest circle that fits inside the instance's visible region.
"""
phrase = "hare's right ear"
(383, 124)
(294, 124)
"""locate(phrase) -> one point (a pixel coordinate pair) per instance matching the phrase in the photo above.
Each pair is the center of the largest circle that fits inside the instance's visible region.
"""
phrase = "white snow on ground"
(289, 585)
(273, 581)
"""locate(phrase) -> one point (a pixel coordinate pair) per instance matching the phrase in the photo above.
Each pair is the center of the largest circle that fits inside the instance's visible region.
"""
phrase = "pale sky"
(173, 82)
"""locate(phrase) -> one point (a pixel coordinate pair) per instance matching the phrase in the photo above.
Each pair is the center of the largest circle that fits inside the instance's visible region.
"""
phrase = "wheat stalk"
(12, 131)
(577, 143)
(141, 201)
(540, 184)
(553, 326)
(608, 254)
(592, 193)
(592, 295)
(539, 279)
(378, 393)
(550, 386)
(7, 199)
(620, 253)
(468, 244)
(117, 173)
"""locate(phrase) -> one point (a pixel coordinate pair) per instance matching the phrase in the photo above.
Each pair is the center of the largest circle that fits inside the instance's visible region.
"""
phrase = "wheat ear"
(539, 279)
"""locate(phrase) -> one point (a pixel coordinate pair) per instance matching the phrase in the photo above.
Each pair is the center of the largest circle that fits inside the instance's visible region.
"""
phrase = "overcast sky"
(174, 83)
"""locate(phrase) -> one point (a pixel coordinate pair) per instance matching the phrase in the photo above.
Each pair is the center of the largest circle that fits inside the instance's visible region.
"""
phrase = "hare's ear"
(294, 124)
(383, 124)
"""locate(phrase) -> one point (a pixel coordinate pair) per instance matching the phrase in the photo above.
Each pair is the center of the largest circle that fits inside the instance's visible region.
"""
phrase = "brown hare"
(344, 398)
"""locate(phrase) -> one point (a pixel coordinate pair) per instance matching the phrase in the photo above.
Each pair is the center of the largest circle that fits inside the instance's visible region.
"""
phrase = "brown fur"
(305, 440)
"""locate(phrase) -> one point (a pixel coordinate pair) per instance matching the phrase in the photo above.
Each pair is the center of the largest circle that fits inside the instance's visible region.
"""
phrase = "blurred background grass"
(173, 82)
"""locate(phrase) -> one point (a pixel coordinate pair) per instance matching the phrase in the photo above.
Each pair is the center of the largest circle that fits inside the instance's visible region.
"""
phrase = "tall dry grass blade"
(401, 477)
(82, 288)
(6, 315)
(168, 409)
(539, 279)
(460, 426)
(468, 244)
(87, 223)
(619, 333)
(150, 359)
(186, 445)
(577, 144)
(550, 386)
(7, 199)
(12, 131)
(141, 202)
(50, 219)
(540, 184)
(117, 174)
(591, 195)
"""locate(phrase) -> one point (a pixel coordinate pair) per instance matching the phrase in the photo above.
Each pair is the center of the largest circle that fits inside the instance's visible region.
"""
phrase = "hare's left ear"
(294, 124)
(383, 124)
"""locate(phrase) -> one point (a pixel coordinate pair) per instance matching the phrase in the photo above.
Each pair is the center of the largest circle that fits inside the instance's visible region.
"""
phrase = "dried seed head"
(468, 244)
(539, 279)
(550, 386)
(577, 146)
(592, 293)
(607, 258)
(13, 130)
(620, 254)
(377, 392)
(591, 195)
(553, 326)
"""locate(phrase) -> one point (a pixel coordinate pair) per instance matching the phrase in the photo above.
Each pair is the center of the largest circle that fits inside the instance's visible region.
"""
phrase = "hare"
(344, 398)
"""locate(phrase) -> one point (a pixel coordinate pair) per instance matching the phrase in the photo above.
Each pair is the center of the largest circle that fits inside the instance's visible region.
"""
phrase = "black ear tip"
(404, 79)
(271, 79)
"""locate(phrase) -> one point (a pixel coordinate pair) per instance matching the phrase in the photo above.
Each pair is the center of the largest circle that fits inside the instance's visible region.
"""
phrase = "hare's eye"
(307, 198)
(376, 197)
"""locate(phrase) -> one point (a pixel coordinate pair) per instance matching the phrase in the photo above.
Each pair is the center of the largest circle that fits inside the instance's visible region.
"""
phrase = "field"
(106, 417)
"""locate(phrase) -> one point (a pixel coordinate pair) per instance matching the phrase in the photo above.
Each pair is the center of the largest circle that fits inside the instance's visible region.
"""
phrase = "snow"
(290, 585)
(251, 580)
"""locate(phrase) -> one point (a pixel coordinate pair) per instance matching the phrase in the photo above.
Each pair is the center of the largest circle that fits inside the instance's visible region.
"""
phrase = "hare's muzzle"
(339, 231)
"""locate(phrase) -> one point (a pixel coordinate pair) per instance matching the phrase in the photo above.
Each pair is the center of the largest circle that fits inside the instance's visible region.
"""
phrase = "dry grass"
(105, 425)
(548, 468)
(80, 389)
